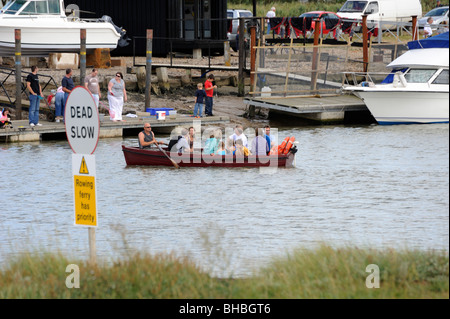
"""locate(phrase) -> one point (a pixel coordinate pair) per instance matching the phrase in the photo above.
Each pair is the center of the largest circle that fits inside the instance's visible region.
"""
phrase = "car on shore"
(326, 28)
(233, 16)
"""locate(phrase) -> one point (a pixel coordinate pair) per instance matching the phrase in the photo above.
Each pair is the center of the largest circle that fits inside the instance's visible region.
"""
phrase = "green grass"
(324, 272)
(292, 8)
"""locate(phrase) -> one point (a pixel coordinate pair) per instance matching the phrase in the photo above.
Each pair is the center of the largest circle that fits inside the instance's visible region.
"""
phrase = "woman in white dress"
(117, 95)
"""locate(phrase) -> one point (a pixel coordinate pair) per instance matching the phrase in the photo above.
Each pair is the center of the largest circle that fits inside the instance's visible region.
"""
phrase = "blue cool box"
(153, 111)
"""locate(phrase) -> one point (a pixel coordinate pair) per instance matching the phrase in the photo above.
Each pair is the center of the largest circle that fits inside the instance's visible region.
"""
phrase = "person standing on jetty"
(117, 95)
(91, 83)
(209, 89)
(35, 90)
(67, 87)
(200, 96)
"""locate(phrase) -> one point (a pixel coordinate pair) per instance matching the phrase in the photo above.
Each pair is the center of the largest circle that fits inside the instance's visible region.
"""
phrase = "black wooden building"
(178, 25)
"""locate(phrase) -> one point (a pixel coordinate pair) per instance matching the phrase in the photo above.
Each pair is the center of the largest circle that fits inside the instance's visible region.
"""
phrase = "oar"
(164, 152)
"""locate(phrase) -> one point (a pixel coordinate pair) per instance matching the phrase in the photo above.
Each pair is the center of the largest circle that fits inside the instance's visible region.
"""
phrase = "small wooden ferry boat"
(156, 157)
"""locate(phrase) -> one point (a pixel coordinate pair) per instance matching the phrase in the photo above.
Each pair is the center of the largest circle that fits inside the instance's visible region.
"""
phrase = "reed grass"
(324, 272)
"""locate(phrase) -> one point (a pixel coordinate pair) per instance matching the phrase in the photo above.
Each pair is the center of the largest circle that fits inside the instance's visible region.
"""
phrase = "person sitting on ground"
(239, 135)
(183, 143)
(259, 143)
(241, 150)
(221, 150)
(5, 119)
(147, 139)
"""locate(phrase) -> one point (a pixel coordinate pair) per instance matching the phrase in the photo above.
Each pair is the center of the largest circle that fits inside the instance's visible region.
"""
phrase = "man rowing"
(147, 138)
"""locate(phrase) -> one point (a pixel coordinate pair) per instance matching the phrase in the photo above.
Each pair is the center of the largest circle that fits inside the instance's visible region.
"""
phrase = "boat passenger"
(259, 143)
(183, 144)
(239, 135)
(191, 137)
(147, 139)
(221, 150)
(230, 147)
(211, 145)
(241, 150)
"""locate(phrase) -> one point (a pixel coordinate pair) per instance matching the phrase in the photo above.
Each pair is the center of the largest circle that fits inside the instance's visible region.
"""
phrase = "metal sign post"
(82, 130)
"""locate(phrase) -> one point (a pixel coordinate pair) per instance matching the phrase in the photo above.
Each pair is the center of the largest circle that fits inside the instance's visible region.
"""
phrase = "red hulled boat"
(155, 157)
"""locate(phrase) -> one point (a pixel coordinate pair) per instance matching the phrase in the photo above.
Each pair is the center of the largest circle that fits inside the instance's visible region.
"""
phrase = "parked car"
(322, 15)
(439, 15)
(233, 24)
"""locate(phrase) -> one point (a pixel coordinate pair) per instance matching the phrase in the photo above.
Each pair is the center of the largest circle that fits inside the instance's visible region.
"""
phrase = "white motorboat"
(45, 28)
(417, 89)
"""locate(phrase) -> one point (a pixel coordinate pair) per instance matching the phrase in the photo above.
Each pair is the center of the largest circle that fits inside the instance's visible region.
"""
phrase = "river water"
(366, 186)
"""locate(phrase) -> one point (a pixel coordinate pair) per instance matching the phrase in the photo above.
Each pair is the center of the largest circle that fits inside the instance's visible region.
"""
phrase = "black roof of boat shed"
(166, 18)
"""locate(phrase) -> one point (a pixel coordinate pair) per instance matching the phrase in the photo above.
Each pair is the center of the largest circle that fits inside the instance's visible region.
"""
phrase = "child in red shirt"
(209, 88)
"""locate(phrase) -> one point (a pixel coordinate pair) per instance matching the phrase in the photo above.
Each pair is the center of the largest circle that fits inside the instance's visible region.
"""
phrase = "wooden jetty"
(22, 132)
(322, 108)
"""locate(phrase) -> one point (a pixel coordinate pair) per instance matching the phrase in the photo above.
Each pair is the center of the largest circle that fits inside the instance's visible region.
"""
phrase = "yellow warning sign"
(85, 202)
(83, 167)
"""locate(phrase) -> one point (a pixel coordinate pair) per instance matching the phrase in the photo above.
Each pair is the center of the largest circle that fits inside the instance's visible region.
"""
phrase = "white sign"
(82, 121)
(85, 200)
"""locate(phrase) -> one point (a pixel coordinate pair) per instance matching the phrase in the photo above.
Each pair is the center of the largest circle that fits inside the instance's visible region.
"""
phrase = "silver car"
(439, 15)
(233, 23)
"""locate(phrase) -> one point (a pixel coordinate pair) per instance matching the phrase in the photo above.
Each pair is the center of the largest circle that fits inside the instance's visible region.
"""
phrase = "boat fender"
(289, 145)
(283, 144)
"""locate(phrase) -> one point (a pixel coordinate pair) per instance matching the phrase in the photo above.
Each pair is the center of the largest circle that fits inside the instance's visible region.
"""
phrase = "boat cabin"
(33, 7)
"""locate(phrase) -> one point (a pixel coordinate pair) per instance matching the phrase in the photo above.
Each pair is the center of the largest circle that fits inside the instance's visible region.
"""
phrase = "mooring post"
(148, 68)
(315, 57)
(18, 60)
(415, 30)
(82, 56)
(252, 66)
(241, 80)
(365, 44)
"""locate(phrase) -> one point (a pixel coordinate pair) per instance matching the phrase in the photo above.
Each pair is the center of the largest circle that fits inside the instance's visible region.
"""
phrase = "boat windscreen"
(419, 75)
(14, 6)
(42, 7)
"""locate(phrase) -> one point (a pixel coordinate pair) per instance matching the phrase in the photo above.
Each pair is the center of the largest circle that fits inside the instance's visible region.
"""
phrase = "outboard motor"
(124, 39)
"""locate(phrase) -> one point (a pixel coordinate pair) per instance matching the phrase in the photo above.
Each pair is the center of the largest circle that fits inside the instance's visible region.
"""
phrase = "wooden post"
(241, 80)
(365, 44)
(252, 65)
(262, 42)
(288, 68)
(92, 247)
(82, 56)
(315, 62)
(415, 30)
(148, 69)
(253, 53)
(18, 60)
